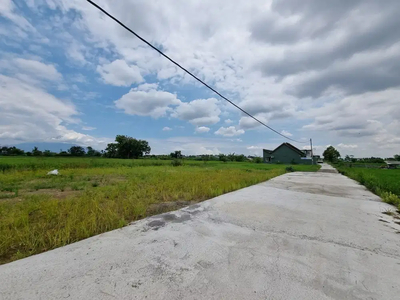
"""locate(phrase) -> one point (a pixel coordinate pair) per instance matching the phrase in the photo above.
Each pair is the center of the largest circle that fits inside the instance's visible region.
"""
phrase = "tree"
(111, 150)
(223, 158)
(231, 156)
(92, 152)
(11, 151)
(76, 151)
(331, 154)
(240, 158)
(397, 157)
(127, 147)
(36, 152)
(176, 154)
(48, 153)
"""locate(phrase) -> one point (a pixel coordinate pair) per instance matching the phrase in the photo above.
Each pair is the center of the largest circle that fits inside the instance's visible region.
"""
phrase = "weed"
(289, 169)
(177, 162)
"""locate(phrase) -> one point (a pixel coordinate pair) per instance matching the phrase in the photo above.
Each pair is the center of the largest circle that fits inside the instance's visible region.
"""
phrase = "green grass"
(40, 212)
(383, 182)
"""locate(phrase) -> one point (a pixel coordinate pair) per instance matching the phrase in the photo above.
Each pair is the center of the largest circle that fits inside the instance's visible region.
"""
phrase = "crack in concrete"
(377, 250)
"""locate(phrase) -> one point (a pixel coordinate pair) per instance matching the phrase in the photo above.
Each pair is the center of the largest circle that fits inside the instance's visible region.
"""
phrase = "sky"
(329, 71)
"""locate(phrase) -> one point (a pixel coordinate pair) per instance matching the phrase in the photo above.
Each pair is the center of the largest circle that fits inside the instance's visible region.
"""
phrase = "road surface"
(297, 236)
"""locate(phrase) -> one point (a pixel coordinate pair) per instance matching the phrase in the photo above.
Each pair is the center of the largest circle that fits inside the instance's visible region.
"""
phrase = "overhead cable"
(188, 72)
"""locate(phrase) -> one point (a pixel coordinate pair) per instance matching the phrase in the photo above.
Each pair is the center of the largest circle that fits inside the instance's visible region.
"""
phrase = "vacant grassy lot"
(383, 182)
(39, 212)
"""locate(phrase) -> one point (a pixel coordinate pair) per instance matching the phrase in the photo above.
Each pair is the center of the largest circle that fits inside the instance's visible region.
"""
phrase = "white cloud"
(344, 146)
(31, 70)
(254, 148)
(228, 121)
(229, 131)
(119, 73)
(166, 129)
(88, 128)
(250, 123)
(30, 114)
(7, 10)
(290, 64)
(286, 133)
(202, 129)
(198, 112)
(76, 52)
(149, 102)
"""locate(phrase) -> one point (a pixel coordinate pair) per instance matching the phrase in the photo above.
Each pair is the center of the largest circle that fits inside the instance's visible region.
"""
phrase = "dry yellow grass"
(35, 218)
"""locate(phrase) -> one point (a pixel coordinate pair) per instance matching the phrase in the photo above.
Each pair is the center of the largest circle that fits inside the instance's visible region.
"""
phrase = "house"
(392, 164)
(288, 154)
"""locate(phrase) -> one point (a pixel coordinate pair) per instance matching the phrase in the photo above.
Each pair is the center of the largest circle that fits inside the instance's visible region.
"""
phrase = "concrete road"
(298, 236)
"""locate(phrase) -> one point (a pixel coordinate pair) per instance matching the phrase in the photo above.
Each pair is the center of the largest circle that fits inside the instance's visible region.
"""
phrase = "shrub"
(289, 169)
(390, 198)
(258, 160)
(177, 162)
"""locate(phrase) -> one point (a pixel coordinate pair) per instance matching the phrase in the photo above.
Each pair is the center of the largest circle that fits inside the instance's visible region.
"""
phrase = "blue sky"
(70, 75)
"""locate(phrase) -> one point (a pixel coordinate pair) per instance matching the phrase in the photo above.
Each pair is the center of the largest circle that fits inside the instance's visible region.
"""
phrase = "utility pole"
(312, 154)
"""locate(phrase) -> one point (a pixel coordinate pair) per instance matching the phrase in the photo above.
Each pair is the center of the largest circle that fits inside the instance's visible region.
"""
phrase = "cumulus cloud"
(254, 148)
(119, 73)
(198, 112)
(286, 133)
(30, 69)
(294, 64)
(249, 123)
(37, 116)
(202, 129)
(344, 146)
(229, 131)
(329, 45)
(358, 116)
(148, 102)
(228, 121)
(167, 128)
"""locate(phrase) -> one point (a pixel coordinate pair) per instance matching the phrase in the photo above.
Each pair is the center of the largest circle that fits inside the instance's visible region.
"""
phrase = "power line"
(188, 72)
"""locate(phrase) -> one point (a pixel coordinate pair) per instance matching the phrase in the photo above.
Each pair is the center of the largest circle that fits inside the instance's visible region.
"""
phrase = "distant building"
(392, 164)
(288, 154)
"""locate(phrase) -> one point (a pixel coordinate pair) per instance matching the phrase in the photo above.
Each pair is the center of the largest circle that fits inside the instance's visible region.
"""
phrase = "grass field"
(383, 182)
(39, 212)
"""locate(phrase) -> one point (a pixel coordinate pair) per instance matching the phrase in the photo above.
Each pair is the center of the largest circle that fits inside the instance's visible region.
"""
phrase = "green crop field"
(39, 212)
(383, 182)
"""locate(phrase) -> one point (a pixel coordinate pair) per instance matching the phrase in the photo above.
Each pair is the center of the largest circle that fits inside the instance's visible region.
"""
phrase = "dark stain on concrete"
(168, 217)
(156, 223)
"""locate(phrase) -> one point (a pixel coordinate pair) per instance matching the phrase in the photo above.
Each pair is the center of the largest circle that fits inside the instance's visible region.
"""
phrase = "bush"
(390, 198)
(258, 160)
(177, 162)
(289, 169)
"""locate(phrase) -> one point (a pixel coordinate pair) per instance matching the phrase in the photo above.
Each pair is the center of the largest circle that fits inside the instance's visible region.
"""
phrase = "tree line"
(333, 155)
(124, 147)
(128, 147)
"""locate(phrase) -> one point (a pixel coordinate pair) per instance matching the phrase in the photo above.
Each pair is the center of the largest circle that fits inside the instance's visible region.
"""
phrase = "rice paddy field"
(383, 182)
(39, 212)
